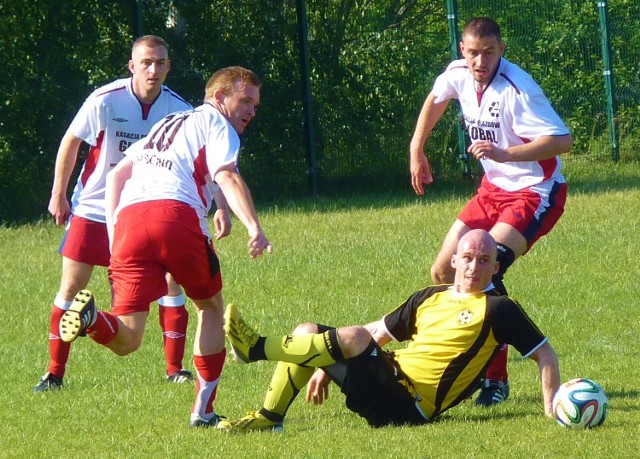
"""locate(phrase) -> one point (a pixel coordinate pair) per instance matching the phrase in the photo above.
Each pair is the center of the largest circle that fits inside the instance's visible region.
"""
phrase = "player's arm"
(116, 178)
(513, 326)
(547, 361)
(222, 216)
(239, 200)
(67, 155)
(430, 113)
(542, 148)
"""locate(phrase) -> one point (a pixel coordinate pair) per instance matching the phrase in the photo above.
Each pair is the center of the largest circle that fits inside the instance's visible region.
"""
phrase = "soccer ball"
(580, 404)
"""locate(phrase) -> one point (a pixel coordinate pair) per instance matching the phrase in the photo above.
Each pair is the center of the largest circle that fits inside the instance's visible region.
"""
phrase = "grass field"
(340, 262)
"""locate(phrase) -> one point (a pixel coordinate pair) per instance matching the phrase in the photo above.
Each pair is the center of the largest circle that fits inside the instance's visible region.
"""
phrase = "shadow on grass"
(478, 414)
(583, 177)
(589, 177)
(338, 199)
(624, 397)
(394, 191)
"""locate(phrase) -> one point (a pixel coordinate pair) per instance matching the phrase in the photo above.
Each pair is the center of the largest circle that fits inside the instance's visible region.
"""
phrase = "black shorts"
(371, 383)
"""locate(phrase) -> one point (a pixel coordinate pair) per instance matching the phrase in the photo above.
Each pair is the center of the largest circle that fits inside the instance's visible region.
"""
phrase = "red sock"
(174, 320)
(58, 349)
(497, 370)
(105, 329)
(208, 371)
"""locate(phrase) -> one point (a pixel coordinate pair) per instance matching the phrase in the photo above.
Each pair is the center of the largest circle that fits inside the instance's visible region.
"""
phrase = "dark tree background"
(372, 64)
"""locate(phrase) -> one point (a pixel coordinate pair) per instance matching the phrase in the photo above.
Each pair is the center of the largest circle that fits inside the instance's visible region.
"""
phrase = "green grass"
(340, 262)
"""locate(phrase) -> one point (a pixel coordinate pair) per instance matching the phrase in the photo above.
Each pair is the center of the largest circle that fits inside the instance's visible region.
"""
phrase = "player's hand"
(258, 244)
(222, 223)
(485, 149)
(318, 387)
(420, 172)
(59, 209)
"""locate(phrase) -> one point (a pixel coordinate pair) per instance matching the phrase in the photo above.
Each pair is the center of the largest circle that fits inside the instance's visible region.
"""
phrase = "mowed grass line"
(338, 262)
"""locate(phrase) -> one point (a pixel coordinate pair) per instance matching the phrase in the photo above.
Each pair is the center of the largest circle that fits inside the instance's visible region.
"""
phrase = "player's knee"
(123, 349)
(125, 344)
(353, 340)
(306, 328)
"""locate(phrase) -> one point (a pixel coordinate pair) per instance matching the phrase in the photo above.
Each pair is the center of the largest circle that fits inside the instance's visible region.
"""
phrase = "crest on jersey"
(465, 317)
(494, 109)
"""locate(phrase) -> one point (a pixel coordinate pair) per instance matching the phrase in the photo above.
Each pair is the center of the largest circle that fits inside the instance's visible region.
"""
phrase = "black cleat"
(48, 382)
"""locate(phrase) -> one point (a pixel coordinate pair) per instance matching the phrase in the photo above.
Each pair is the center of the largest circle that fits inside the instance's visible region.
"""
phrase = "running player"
(517, 137)
(112, 118)
(157, 201)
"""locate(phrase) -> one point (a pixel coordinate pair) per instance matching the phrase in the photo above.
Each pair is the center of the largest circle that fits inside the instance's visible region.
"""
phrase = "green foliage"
(58, 53)
(371, 63)
(340, 262)
(370, 84)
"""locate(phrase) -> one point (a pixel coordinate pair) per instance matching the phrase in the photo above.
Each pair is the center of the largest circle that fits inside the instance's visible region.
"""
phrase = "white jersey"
(511, 111)
(110, 120)
(179, 159)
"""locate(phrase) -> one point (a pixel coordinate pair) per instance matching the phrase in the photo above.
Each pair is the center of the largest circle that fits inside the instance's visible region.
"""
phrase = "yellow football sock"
(287, 381)
(308, 350)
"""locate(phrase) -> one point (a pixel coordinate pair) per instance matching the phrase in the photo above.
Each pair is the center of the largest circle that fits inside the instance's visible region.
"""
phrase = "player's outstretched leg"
(81, 314)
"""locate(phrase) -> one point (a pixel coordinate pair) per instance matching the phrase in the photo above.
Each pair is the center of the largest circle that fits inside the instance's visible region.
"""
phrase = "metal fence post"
(454, 36)
(137, 19)
(608, 79)
(306, 97)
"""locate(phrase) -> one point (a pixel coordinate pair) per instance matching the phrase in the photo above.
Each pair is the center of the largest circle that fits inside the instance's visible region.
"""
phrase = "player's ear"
(497, 268)
(453, 260)
(219, 95)
(131, 67)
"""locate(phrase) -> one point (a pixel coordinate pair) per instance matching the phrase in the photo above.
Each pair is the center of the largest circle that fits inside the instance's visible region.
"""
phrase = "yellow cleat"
(252, 422)
(240, 334)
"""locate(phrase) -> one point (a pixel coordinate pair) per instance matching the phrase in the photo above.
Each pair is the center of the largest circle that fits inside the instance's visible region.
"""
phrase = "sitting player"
(453, 332)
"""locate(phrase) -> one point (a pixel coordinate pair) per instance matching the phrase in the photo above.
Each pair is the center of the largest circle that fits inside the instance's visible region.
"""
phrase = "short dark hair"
(151, 41)
(225, 79)
(482, 27)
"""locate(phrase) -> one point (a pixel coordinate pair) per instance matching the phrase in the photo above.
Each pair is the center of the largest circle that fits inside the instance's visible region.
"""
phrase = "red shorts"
(86, 241)
(155, 237)
(533, 211)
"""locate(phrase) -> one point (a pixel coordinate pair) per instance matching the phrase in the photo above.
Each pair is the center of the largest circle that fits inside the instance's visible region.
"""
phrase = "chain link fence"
(584, 54)
(587, 68)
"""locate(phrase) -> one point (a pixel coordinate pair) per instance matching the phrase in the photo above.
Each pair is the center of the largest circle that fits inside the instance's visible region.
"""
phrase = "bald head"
(481, 239)
(474, 261)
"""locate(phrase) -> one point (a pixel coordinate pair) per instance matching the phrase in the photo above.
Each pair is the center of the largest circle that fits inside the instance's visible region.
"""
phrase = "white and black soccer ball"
(580, 404)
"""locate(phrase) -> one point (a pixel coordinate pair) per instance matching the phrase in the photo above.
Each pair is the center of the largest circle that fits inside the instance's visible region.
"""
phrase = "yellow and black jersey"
(452, 338)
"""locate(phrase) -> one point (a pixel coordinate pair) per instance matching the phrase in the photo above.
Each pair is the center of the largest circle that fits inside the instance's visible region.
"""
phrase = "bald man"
(452, 332)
